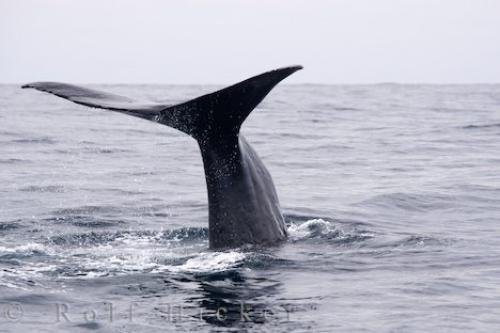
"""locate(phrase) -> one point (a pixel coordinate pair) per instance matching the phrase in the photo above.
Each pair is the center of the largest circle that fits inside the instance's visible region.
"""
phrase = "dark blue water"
(391, 194)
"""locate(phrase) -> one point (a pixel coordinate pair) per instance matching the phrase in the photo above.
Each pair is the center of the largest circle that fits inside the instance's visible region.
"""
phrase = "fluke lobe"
(242, 201)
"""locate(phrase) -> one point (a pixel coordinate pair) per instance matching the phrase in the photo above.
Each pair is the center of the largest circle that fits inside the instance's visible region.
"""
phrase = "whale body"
(243, 205)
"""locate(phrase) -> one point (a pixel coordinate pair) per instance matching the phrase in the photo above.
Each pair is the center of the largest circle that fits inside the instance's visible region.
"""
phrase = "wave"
(186, 234)
(7, 226)
(481, 126)
(89, 209)
(42, 140)
(25, 249)
(211, 262)
(90, 150)
(42, 189)
(410, 201)
(13, 161)
(410, 242)
(85, 221)
(326, 230)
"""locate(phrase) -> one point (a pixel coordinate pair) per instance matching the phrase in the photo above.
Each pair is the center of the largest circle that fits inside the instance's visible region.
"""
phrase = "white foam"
(211, 261)
(26, 248)
(122, 255)
(16, 278)
(311, 228)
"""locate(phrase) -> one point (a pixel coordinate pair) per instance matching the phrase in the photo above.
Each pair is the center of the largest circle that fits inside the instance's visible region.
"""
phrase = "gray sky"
(222, 41)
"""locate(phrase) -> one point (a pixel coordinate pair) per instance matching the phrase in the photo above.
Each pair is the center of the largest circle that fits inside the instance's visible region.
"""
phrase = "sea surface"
(391, 195)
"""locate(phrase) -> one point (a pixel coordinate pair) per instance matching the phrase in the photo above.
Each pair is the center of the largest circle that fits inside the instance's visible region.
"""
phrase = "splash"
(211, 262)
(316, 228)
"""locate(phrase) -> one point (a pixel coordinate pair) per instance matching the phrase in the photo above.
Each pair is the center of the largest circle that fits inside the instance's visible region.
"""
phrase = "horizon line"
(282, 84)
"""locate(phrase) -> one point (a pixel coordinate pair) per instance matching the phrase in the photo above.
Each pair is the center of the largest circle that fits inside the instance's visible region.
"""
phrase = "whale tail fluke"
(206, 117)
(223, 112)
(99, 99)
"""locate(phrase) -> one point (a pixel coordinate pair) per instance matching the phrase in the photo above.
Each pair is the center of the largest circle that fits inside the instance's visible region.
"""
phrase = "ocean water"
(391, 195)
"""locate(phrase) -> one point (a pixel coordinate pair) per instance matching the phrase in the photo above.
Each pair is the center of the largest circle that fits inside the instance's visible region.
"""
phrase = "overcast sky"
(222, 41)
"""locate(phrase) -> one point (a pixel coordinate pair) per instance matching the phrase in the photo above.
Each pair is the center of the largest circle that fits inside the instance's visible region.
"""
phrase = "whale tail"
(208, 117)
(243, 204)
